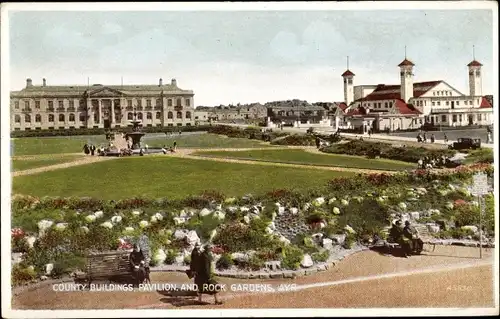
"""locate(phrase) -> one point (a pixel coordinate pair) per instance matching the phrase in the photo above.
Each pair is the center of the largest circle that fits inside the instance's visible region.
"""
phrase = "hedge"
(385, 150)
(102, 131)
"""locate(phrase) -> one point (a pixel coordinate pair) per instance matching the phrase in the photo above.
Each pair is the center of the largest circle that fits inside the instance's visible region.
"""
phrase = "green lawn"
(40, 161)
(74, 144)
(167, 177)
(303, 157)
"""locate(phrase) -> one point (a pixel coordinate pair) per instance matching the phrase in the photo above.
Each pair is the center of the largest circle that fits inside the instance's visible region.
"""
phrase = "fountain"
(136, 133)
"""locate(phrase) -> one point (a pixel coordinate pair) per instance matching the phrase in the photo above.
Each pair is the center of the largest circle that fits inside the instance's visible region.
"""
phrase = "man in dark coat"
(92, 149)
(203, 278)
(86, 149)
(137, 262)
(416, 244)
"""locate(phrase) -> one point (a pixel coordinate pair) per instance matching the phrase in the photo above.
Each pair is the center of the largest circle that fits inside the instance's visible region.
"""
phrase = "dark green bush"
(21, 275)
(225, 262)
(296, 140)
(320, 257)
(291, 257)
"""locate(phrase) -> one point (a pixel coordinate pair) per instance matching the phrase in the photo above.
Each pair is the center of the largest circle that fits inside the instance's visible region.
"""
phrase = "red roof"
(406, 109)
(348, 73)
(474, 63)
(342, 106)
(485, 103)
(406, 62)
(393, 92)
(357, 111)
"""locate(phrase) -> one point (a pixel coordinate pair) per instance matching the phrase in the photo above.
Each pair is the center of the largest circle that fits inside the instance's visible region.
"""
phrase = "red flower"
(459, 202)
(217, 250)
(17, 232)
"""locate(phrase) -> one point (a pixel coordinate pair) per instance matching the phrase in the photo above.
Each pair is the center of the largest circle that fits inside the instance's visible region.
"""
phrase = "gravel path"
(448, 277)
(187, 153)
(83, 161)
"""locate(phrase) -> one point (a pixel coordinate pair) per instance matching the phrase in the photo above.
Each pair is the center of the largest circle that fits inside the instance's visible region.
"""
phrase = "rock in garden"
(160, 256)
(433, 228)
(317, 237)
(192, 238)
(43, 277)
(244, 209)
(240, 257)
(344, 202)
(336, 211)
(116, 219)
(31, 241)
(90, 218)
(331, 200)
(179, 259)
(415, 215)
(349, 229)
(338, 239)
(136, 213)
(273, 265)
(44, 224)
(306, 261)
(294, 210)
(269, 230)
(284, 240)
(281, 210)
(219, 215)
(179, 220)
(107, 225)
(472, 228)
(61, 226)
(205, 212)
(246, 219)
(48, 269)
(327, 243)
(318, 201)
(232, 209)
(99, 214)
(307, 206)
(179, 234)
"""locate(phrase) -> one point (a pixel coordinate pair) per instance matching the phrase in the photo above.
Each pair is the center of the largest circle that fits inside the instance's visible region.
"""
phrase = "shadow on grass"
(181, 298)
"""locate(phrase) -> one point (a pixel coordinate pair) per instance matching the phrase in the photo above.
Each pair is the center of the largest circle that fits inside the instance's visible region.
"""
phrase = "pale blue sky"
(244, 56)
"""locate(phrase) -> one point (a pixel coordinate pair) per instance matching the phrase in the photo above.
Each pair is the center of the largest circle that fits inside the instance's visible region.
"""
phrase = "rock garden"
(282, 232)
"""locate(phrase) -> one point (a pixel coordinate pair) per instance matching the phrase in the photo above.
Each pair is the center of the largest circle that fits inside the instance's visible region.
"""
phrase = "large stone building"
(222, 113)
(41, 107)
(412, 105)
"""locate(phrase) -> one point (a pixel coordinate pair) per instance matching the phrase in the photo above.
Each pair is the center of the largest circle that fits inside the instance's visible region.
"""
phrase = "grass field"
(167, 177)
(40, 161)
(303, 157)
(74, 144)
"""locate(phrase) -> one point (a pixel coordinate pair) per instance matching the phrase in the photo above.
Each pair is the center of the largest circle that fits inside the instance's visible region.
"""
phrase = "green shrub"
(171, 254)
(320, 257)
(235, 237)
(350, 239)
(291, 257)
(19, 245)
(255, 263)
(466, 215)
(225, 262)
(21, 275)
(295, 140)
(187, 260)
(385, 150)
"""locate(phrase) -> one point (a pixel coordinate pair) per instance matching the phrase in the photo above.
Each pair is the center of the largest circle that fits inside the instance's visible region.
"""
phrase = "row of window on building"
(82, 117)
(96, 126)
(71, 103)
(457, 118)
(378, 105)
(442, 93)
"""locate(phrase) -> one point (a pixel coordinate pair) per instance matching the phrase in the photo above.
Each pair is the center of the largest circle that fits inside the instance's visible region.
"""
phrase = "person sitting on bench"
(416, 244)
(137, 262)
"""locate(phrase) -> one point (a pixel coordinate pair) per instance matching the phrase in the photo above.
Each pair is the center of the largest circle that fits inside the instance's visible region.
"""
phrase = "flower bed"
(295, 229)
(385, 150)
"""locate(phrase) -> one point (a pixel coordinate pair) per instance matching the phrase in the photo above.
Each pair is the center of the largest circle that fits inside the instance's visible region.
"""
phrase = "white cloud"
(111, 28)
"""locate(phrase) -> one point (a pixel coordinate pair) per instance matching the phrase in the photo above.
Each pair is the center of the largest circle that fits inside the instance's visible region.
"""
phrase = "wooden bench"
(106, 266)
(423, 233)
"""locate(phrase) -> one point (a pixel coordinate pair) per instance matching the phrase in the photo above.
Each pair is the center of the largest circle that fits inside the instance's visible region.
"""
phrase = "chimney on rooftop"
(44, 82)
(174, 82)
(29, 82)
(160, 83)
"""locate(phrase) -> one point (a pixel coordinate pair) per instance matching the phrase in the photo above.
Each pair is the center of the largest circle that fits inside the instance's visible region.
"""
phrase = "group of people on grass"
(429, 162)
(407, 237)
(200, 269)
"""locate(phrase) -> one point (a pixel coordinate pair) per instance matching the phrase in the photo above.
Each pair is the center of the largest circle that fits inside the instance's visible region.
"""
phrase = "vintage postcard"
(249, 159)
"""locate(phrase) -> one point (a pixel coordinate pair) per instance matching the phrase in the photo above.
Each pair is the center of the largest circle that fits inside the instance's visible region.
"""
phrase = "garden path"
(187, 153)
(82, 161)
(452, 276)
